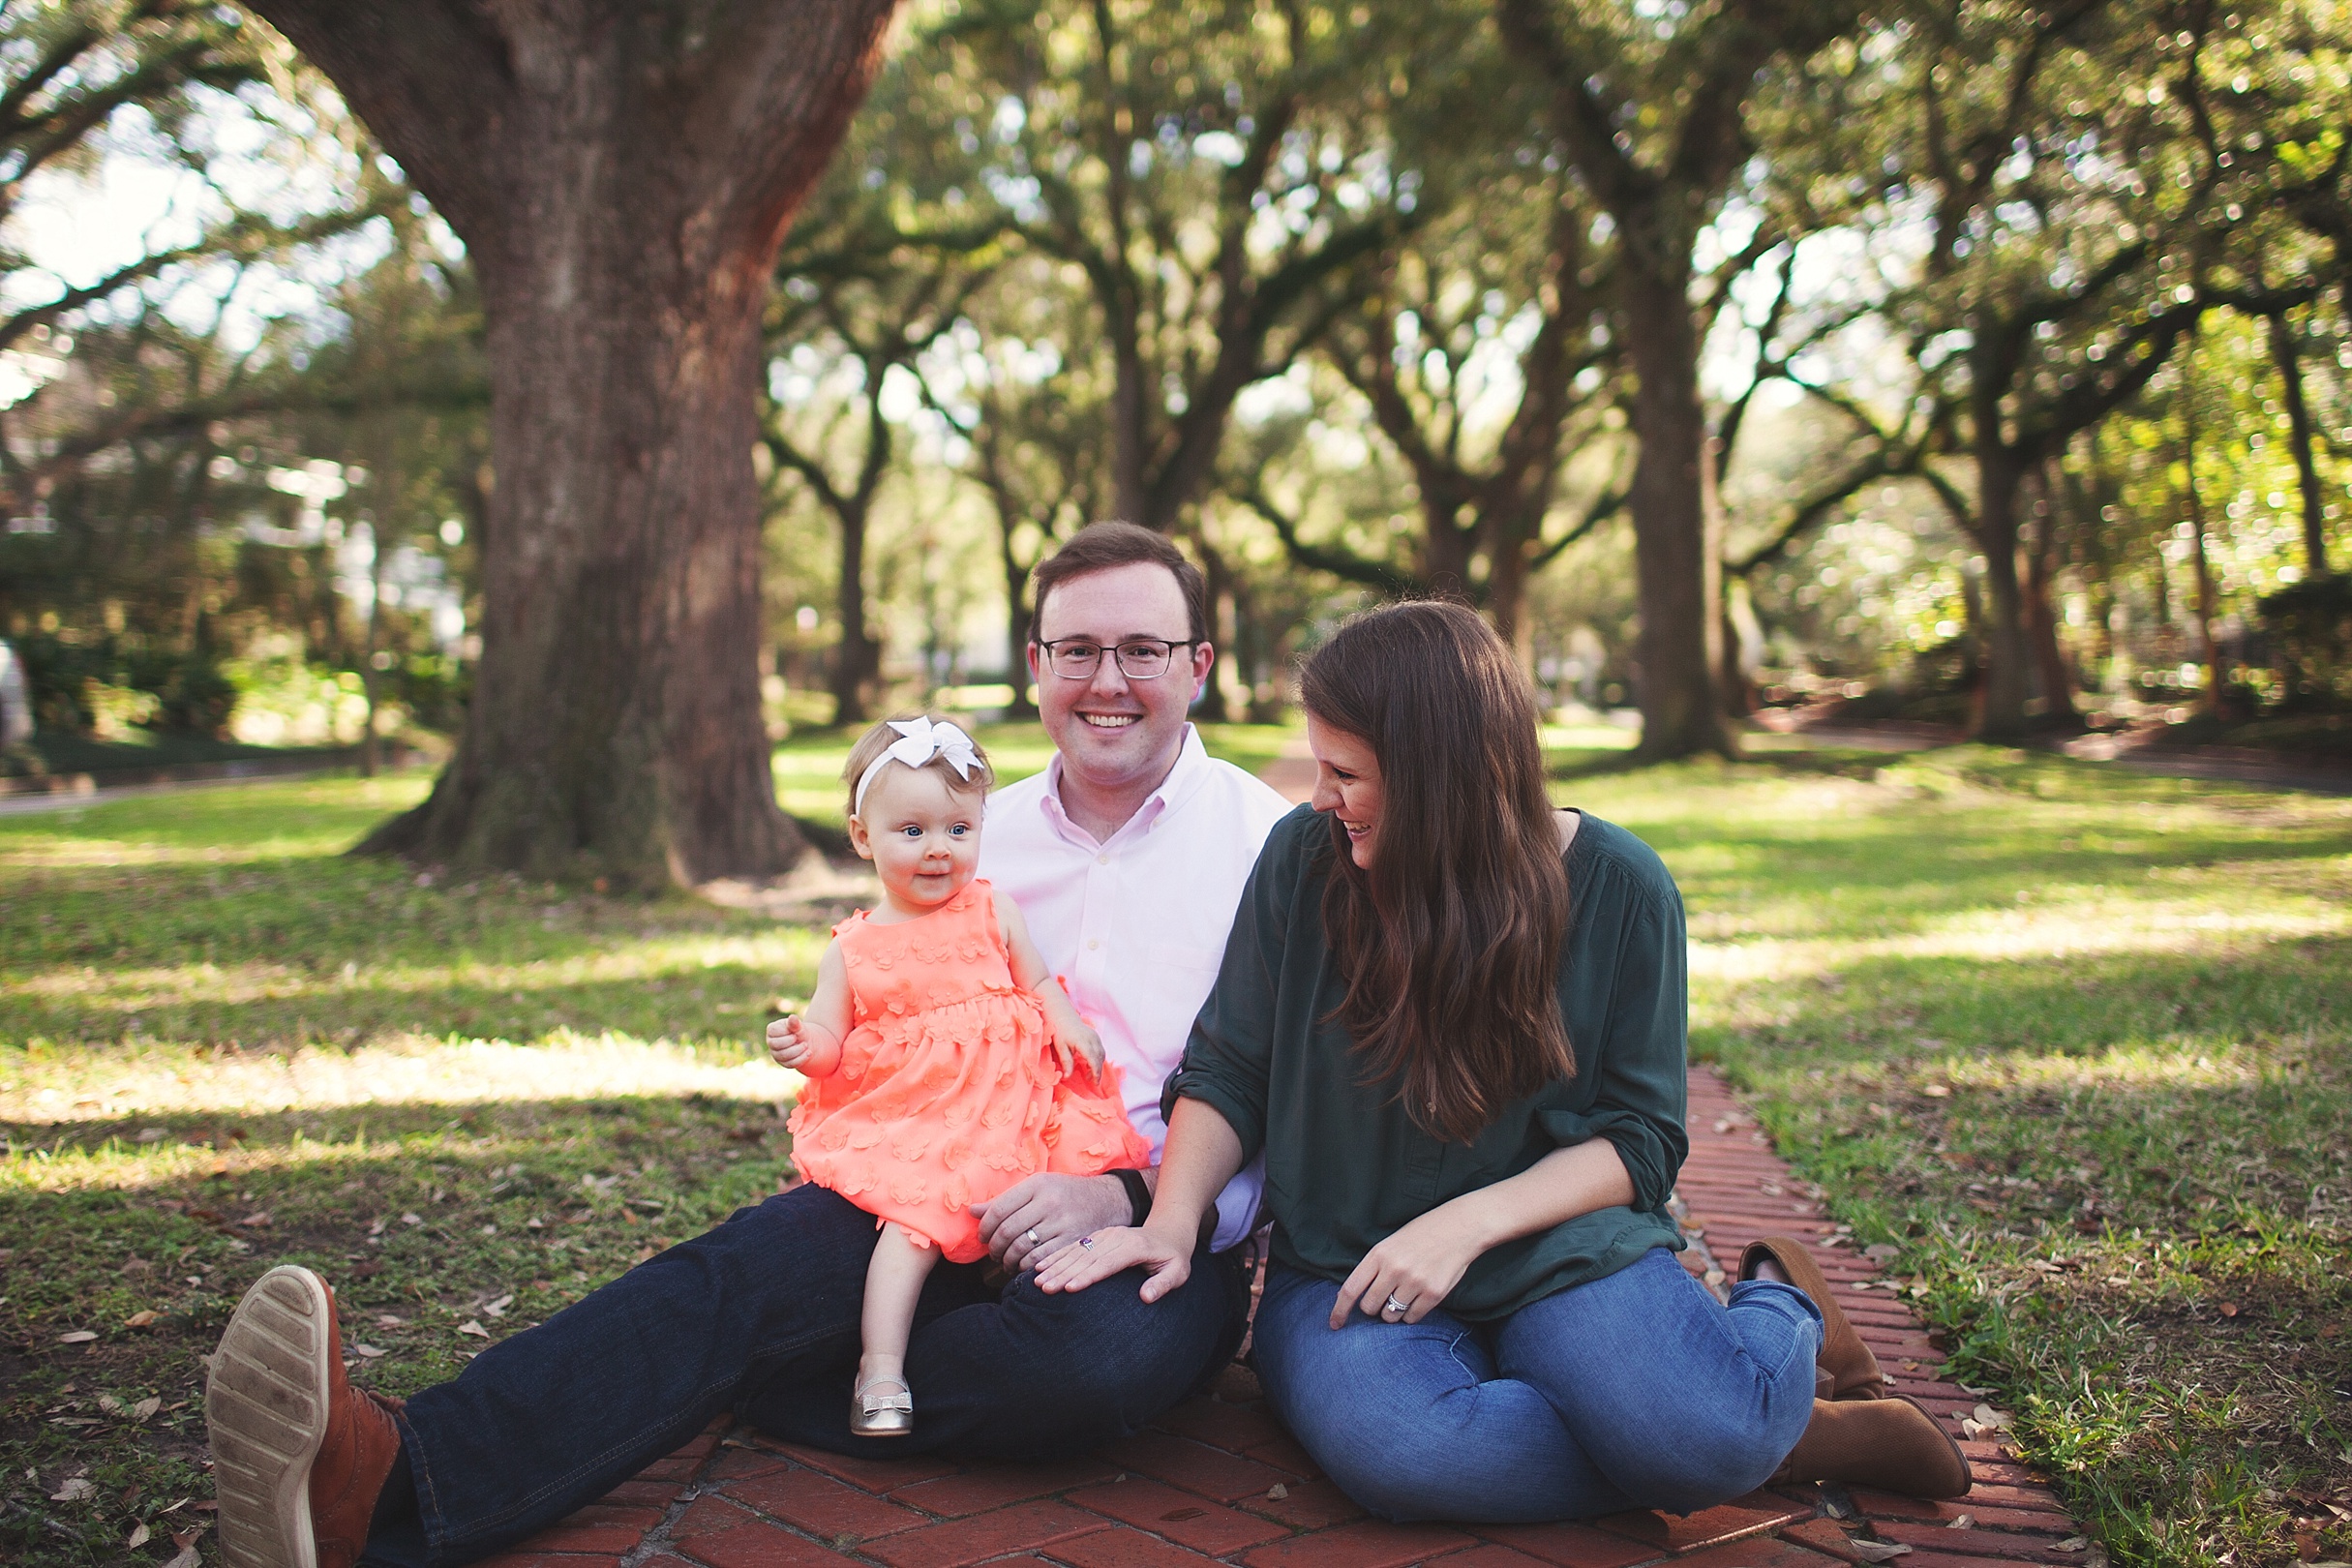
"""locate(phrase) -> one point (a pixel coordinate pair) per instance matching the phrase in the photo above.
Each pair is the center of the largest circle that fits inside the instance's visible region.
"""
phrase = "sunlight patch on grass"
(67, 1087)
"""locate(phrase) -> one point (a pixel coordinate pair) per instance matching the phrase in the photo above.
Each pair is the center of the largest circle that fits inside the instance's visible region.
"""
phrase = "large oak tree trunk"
(1674, 559)
(621, 174)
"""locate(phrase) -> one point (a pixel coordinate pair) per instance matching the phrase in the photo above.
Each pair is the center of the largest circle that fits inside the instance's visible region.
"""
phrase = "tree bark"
(1675, 560)
(2299, 425)
(2054, 671)
(621, 175)
(2007, 682)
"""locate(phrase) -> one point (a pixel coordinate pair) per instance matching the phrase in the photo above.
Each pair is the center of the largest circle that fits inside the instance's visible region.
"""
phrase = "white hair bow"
(919, 740)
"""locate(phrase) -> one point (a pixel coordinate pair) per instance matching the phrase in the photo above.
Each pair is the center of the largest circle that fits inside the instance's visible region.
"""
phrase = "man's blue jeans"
(760, 1317)
(1637, 1391)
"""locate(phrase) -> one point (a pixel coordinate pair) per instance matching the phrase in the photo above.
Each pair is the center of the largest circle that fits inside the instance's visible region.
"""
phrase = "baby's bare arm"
(1070, 1033)
(810, 1040)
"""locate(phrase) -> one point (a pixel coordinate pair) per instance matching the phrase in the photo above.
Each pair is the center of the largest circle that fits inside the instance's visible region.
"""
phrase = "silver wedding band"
(1393, 1305)
(1032, 1234)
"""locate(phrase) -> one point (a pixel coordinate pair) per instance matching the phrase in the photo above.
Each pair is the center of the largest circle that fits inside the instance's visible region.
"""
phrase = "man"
(1128, 856)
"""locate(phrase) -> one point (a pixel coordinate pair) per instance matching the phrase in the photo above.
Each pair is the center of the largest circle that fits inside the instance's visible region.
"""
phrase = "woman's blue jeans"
(1636, 1390)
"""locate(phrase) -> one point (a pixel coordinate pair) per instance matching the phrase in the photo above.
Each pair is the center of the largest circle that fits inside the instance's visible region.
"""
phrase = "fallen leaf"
(2229, 1308)
(1961, 1521)
(1880, 1252)
(186, 1560)
(1276, 1493)
(144, 1409)
(368, 1350)
(77, 1337)
(498, 1307)
(1972, 1429)
(389, 1320)
(1986, 1415)
(469, 1326)
(78, 1490)
(411, 1220)
(256, 1219)
(140, 1320)
(2073, 1542)
(1877, 1550)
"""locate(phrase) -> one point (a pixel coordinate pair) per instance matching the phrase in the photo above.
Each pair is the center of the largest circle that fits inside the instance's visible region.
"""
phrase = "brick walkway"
(1218, 1480)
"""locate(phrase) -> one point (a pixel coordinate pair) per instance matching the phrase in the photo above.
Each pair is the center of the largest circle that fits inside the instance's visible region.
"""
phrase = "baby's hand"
(1087, 1043)
(787, 1045)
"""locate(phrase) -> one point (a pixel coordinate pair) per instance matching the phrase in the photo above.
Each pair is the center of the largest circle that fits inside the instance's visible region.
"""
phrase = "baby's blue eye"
(960, 828)
(911, 830)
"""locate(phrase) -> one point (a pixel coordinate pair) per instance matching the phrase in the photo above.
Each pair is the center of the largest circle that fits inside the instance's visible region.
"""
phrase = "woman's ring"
(1032, 1234)
(1087, 1241)
(1393, 1305)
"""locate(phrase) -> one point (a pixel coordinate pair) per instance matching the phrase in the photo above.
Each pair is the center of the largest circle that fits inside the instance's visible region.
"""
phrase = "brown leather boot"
(1854, 1372)
(299, 1456)
(1890, 1443)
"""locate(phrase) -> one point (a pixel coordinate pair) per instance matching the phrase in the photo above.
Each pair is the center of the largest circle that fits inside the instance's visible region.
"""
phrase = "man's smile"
(1111, 721)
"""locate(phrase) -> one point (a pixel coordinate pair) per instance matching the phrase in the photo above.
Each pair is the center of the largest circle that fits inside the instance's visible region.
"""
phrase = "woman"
(1453, 1019)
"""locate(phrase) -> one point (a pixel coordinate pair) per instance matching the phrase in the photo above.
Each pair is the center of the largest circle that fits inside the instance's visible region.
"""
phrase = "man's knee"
(1110, 1344)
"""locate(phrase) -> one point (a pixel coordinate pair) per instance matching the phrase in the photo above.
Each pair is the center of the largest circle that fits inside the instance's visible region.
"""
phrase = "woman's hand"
(1418, 1265)
(1107, 1253)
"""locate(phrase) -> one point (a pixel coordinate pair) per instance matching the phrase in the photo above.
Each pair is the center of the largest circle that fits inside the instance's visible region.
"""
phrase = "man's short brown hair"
(1100, 546)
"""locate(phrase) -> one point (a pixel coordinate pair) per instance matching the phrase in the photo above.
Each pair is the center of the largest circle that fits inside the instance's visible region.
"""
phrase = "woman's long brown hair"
(1449, 941)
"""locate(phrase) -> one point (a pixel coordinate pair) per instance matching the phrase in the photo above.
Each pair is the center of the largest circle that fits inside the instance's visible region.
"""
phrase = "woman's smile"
(1346, 784)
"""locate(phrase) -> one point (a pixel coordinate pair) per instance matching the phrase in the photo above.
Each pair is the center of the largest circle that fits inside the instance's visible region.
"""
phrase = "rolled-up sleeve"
(1641, 1056)
(1227, 1057)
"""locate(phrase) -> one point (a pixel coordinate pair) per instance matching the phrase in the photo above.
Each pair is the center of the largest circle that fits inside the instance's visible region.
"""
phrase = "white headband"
(922, 741)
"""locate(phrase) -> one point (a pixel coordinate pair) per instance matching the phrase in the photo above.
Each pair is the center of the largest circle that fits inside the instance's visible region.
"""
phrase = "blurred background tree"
(1976, 363)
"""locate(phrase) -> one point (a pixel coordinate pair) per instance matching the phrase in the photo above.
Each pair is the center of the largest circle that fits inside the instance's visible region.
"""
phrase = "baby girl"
(944, 1061)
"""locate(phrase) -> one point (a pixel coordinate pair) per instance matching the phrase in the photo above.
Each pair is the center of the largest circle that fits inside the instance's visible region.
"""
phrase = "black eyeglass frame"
(1167, 648)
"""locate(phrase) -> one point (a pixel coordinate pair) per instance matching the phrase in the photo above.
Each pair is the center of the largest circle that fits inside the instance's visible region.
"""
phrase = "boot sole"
(266, 1405)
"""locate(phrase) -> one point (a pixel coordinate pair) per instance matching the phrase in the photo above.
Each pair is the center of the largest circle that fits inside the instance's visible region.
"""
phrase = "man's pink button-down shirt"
(1137, 926)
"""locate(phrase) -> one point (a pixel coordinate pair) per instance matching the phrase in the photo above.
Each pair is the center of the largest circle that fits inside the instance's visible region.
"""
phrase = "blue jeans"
(1637, 1391)
(760, 1317)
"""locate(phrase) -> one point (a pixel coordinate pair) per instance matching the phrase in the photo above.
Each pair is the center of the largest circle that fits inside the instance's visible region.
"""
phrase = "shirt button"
(1102, 859)
(1092, 944)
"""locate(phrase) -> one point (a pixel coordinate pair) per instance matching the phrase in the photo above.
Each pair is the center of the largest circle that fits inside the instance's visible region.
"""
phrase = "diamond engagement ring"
(1393, 1305)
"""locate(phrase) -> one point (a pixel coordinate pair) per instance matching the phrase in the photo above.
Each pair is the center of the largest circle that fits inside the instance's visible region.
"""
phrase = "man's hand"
(1034, 1218)
(1113, 1252)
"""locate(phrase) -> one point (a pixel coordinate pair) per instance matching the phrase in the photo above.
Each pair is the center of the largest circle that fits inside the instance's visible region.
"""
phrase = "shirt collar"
(1190, 769)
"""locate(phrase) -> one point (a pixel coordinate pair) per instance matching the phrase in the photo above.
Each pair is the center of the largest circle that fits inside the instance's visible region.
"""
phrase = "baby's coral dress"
(948, 1090)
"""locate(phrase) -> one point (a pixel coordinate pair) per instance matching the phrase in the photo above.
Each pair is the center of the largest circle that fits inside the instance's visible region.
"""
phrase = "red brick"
(524, 1558)
(983, 1487)
(708, 1516)
(874, 1476)
(605, 1511)
(734, 1463)
(1238, 1427)
(1823, 1535)
(985, 1536)
(1725, 1522)
(603, 1538)
(1122, 1548)
(1569, 1546)
(1925, 1558)
(1285, 1454)
(1761, 1551)
(1486, 1555)
(1313, 1504)
(822, 1505)
(1194, 1466)
(677, 1469)
(648, 1493)
(1180, 1516)
(757, 1544)
(1373, 1545)
(1980, 1543)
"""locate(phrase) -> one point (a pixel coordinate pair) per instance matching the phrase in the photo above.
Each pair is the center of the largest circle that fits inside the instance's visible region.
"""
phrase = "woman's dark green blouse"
(1344, 1164)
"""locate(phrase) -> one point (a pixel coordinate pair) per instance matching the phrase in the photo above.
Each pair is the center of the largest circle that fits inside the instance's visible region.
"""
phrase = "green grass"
(60, 752)
(2073, 1042)
(2074, 1045)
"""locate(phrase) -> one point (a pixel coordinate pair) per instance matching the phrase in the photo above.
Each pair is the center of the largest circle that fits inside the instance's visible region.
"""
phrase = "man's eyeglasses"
(1141, 658)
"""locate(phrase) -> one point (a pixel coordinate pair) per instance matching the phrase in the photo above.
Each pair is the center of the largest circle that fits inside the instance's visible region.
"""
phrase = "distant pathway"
(1219, 1481)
